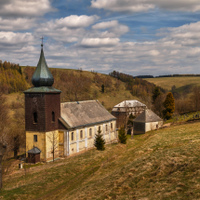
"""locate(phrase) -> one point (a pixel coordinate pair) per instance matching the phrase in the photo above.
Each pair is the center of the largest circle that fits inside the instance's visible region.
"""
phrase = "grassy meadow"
(179, 82)
(161, 164)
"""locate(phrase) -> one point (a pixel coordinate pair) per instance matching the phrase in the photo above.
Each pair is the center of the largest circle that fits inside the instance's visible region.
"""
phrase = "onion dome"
(42, 75)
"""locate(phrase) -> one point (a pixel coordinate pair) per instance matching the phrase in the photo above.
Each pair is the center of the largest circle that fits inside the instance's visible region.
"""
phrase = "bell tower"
(42, 110)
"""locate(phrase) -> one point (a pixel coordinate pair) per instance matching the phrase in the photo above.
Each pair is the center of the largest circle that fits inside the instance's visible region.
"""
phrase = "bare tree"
(53, 140)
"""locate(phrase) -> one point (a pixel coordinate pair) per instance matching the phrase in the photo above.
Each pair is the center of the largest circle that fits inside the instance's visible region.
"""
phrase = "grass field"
(162, 164)
(179, 82)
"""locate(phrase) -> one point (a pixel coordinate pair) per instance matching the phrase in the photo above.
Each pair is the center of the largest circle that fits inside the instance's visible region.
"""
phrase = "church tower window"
(53, 116)
(35, 138)
(35, 118)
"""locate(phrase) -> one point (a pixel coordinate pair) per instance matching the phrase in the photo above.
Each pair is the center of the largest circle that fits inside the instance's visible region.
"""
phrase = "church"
(55, 129)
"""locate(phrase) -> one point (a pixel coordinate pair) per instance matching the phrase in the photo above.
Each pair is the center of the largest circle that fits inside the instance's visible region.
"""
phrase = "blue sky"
(138, 37)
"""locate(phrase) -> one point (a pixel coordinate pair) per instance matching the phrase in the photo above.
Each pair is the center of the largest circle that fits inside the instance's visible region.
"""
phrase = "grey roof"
(42, 76)
(42, 89)
(83, 113)
(122, 106)
(34, 150)
(147, 116)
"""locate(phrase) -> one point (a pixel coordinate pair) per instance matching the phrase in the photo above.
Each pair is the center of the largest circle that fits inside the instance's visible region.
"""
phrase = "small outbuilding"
(34, 155)
(124, 109)
(146, 121)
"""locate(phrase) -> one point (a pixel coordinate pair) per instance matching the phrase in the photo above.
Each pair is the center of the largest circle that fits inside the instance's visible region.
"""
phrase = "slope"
(162, 164)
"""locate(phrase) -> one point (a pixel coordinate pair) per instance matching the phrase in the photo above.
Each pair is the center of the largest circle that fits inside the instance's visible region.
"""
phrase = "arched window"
(53, 116)
(72, 136)
(81, 134)
(90, 132)
(35, 118)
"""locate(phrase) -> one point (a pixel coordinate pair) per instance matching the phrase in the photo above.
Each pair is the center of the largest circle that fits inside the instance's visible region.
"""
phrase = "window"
(72, 136)
(106, 127)
(81, 134)
(99, 129)
(35, 138)
(53, 116)
(90, 132)
(111, 126)
(35, 117)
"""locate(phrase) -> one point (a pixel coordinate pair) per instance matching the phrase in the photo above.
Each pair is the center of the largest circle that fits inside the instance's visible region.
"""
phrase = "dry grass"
(168, 82)
(161, 164)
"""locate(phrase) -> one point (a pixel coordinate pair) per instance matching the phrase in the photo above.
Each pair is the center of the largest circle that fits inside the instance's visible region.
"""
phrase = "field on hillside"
(179, 82)
(162, 164)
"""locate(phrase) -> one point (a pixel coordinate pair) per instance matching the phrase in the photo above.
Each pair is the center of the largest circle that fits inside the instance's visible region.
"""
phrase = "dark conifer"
(169, 105)
(156, 93)
(122, 135)
(99, 141)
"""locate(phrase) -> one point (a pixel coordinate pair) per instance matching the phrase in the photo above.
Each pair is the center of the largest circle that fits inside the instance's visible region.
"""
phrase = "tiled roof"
(147, 116)
(129, 103)
(34, 150)
(83, 113)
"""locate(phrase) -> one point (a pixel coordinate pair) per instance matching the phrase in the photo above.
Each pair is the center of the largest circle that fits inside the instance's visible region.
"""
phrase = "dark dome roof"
(42, 75)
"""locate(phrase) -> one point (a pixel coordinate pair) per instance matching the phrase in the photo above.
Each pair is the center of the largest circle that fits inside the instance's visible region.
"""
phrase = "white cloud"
(74, 29)
(25, 7)
(114, 28)
(68, 29)
(122, 6)
(106, 25)
(75, 21)
(99, 42)
(16, 24)
(145, 5)
(14, 40)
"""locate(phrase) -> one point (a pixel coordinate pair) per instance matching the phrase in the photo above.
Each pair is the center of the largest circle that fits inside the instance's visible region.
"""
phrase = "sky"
(137, 37)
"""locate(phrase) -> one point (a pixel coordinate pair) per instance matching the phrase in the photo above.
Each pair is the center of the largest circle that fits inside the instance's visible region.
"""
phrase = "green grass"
(162, 164)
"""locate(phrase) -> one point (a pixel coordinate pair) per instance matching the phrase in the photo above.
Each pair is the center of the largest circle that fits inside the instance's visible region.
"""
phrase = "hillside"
(162, 164)
(182, 83)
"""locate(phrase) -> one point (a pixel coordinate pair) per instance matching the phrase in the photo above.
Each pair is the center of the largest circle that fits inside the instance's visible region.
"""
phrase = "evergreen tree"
(156, 93)
(122, 135)
(102, 88)
(169, 105)
(99, 141)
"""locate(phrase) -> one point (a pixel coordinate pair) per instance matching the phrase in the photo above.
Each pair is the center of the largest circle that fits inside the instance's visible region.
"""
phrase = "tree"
(196, 98)
(99, 141)
(169, 106)
(156, 93)
(54, 143)
(102, 88)
(122, 135)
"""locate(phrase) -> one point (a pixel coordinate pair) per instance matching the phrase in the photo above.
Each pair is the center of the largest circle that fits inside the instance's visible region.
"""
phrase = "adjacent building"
(55, 129)
(146, 121)
(123, 110)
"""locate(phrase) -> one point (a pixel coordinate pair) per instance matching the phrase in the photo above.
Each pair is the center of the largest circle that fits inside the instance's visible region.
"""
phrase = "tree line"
(11, 78)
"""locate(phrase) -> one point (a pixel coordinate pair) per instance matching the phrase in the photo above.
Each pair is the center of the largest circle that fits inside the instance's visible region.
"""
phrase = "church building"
(55, 129)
